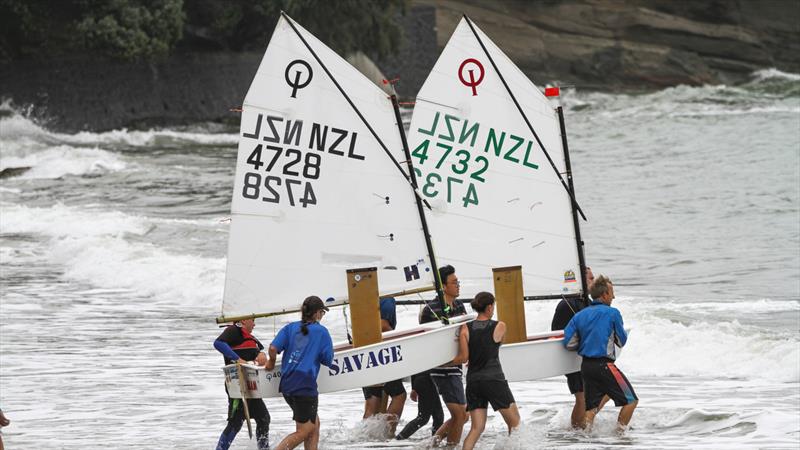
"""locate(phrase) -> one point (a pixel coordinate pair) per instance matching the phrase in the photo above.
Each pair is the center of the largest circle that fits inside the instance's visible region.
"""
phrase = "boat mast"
(420, 210)
(575, 222)
(524, 117)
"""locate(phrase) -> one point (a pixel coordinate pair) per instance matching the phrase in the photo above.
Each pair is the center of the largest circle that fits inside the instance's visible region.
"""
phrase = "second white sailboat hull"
(541, 356)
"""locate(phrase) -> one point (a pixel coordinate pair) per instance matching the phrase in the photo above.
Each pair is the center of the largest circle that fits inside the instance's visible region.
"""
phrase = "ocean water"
(112, 260)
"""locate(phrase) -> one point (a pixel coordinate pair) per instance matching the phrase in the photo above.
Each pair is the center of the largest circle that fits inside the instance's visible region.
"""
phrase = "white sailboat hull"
(401, 354)
(542, 356)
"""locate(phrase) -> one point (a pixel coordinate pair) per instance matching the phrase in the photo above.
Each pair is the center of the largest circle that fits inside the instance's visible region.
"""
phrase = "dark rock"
(9, 172)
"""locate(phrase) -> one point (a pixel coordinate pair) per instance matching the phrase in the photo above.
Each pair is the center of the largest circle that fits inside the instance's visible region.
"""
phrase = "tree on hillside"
(146, 29)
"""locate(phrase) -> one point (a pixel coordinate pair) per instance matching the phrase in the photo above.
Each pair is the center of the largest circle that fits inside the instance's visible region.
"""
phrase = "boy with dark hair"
(448, 378)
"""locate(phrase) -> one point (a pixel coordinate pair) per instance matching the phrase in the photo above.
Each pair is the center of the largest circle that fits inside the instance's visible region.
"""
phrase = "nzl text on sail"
(279, 145)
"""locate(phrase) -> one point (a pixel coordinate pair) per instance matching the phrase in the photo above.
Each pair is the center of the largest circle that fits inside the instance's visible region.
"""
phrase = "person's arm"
(572, 339)
(426, 315)
(273, 354)
(277, 346)
(226, 350)
(499, 332)
(463, 346)
(619, 329)
(326, 357)
(385, 326)
(560, 317)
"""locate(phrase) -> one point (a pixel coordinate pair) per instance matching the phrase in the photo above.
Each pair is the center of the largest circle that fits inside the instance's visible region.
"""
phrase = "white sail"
(315, 193)
(496, 200)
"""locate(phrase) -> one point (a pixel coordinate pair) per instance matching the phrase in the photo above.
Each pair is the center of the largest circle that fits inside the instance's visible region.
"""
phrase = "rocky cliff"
(635, 44)
(590, 44)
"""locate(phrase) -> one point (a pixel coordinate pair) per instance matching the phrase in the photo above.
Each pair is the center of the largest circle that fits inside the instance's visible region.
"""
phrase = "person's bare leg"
(458, 414)
(625, 415)
(589, 419)
(603, 401)
(371, 406)
(578, 411)
(478, 417)
(511, 416)
(395, 411)
(312, 442)
(302, 431)
(443, 430)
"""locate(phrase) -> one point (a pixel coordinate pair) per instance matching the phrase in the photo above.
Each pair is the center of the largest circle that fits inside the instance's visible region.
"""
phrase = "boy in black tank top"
(479, 343)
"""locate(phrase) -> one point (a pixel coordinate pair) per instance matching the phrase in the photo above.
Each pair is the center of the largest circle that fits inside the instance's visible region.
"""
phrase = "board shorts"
(451, 388)
(392, 388)
(484, 392)
(304, 407)
(574, 382)
(255, 406)
(602, 377)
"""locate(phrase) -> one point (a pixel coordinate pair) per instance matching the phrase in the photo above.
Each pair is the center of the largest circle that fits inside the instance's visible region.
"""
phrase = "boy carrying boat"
(594, 332)
(479, 344)
(238, 345)
(448, 378)
(305, 344)
(373, 395)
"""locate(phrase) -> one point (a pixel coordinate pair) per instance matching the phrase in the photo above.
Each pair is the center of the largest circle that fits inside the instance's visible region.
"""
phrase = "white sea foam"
(144, 269)
(664, 347)
(773, 73)
(92, 247)
(61, 221)
(64, 160)
(18, 128)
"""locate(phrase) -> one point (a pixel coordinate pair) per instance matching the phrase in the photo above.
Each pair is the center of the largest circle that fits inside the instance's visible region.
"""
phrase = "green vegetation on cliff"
(147, 29)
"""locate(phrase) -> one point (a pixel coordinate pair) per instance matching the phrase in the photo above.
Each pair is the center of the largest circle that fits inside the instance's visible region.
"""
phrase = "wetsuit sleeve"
(571, 337)
(561, 316)
(619, 329)
(326, 355)
(226, 350)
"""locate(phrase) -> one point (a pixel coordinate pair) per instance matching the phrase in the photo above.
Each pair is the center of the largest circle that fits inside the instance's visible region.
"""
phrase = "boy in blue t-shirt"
(305, 346)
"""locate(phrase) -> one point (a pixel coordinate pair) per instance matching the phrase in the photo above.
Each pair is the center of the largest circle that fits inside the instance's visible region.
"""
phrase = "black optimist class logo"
(296, 84)
(472, 83)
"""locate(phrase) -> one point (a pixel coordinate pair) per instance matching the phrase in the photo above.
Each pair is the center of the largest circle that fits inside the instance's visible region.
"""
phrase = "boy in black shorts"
(479, 344)
(448, 377)
(594, 332)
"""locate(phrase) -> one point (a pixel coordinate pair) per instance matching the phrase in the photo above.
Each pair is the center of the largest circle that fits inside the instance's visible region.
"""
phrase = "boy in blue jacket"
(593, 332)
